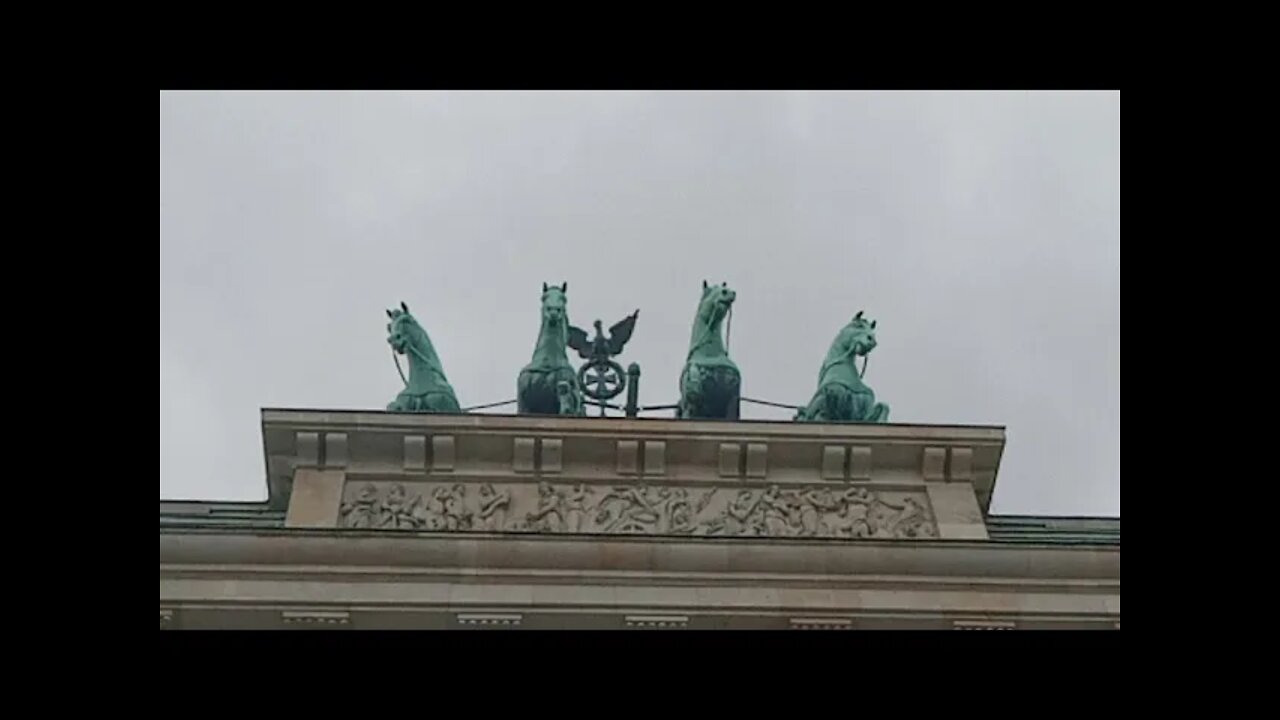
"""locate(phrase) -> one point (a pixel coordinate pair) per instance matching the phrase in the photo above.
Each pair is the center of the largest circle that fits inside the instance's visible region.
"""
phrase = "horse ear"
(565, 287)
(403, 306)
(544, 287)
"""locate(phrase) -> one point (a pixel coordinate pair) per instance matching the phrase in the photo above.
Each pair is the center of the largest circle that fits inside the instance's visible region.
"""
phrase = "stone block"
(443, 453)
(655, 457)
(523, 454)
(335, 450)
(934, 464)
(961, 469)
(628, 457)
(833, 462)
(729, 455)
(552, 455)
(308, 449)
(757, 460)
(860, 462)
(415, 453)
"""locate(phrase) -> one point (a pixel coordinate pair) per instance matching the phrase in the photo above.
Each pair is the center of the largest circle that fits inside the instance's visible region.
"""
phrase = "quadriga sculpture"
(841, 394)
(426, 389)
(710, 384)
(548, 385)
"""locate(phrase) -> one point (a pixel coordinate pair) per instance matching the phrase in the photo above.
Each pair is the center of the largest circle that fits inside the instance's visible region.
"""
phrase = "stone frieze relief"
(816, 511)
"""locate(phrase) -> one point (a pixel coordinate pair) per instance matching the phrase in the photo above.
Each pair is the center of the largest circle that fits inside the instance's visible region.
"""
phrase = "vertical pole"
(633, 390)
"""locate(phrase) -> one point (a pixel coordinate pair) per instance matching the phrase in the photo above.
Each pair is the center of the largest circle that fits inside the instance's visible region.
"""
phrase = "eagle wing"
(578, 341)
(620, 333)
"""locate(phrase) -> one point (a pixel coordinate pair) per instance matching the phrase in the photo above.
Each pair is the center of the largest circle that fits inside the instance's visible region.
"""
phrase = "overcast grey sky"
(981, 230)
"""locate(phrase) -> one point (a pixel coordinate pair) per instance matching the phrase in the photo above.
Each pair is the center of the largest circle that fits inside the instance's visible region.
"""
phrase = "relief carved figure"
(575, 508)
(456, 514)
(492, 512)
(736, 519)
(632, 510)
(806, 511)
(397, 509)
(433, 514)
(548, 516)
(363, 510)
(683, 511)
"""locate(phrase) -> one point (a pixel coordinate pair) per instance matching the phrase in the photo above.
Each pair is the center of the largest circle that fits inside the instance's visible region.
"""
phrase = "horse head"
(403, 330)
(859, 336)
(555, 305)
(715, 304)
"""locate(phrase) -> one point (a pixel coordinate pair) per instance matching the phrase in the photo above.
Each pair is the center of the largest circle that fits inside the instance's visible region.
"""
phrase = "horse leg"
(690, 392)
(880, 414)
(522, 392)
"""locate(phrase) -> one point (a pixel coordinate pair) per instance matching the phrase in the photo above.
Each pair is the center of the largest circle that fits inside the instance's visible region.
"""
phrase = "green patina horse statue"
(426, 389)
(710, 384)
(548, 385)
(841, 394)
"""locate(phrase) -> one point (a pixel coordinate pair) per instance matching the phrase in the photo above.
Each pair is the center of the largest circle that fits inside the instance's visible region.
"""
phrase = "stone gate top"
(564, 474)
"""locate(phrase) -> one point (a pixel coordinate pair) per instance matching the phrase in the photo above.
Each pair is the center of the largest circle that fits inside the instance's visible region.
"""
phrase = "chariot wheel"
(602, 380)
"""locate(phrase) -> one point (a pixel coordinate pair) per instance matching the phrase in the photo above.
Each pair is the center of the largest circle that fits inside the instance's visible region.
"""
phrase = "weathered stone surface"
(317, 495)
(956, 510)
